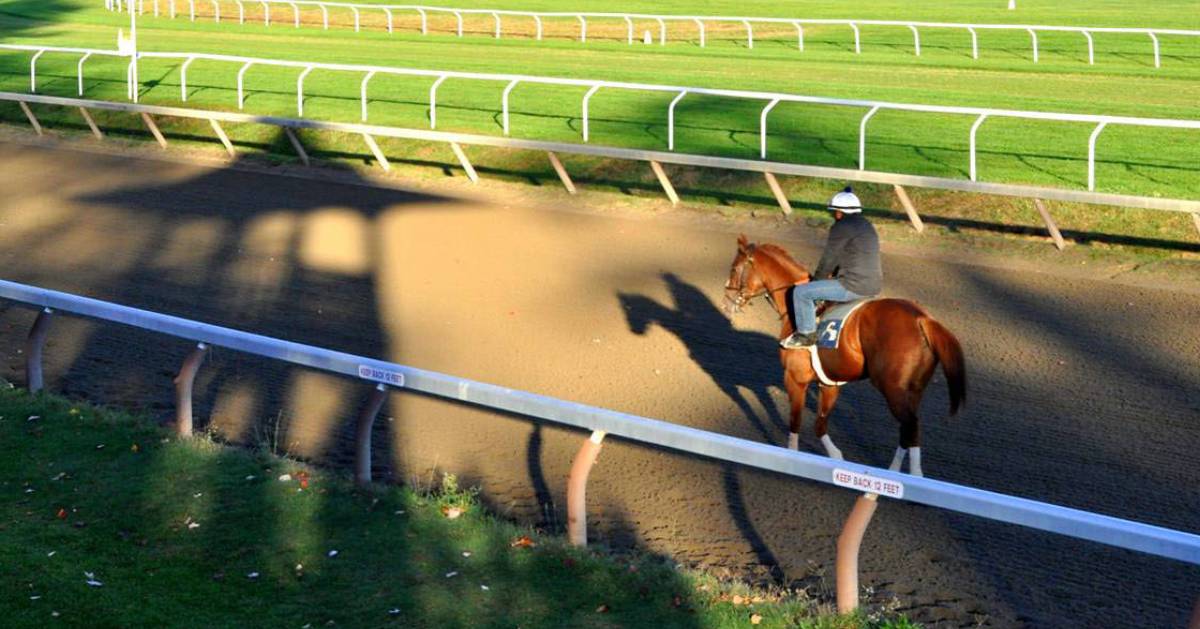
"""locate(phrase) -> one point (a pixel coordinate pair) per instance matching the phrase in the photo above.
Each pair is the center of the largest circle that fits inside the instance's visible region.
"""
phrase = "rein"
(766, 292)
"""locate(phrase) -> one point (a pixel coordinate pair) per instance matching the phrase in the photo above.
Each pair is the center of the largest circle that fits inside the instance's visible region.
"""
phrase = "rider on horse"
(849, 269)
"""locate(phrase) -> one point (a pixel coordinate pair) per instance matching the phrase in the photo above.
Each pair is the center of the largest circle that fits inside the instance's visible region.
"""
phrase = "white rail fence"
(511, 81)
(384, 377)
(656, 159)
(692, 24)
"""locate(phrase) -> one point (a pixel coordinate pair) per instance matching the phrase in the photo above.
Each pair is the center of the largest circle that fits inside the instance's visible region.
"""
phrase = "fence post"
(158, 136)
(1157, 57)
(33, 349)
(379, 156)
(433, 102)
(460, 22)
(240, 79)
(587, 97)
(916, 39)
(388, 13)
(79, 71)
(857, 39)
(300, 91)
(749, 34)
(666, 183)
(1092, 156)
(848, 545)
(1033, 34)
(671, 120)
(363, 90)
(537, 20)
(1091, 48)
(466, 163)
(974, 130)
(799, 35)
(582, 29)
(974, 43)
(356, 19)
(324, 16)
(296, 14)
(662, 32)
(32, 118)
(577, 488)
(762, 128)
(700, 27)
(862, 139)
(33, 70)
(777, 190)
(91, 124)
(362, 435)
(909, 208)
(183, 390)
(224, 138)
(570, 185)
(496, 18)
(1050, 226)
(504, 102)
(424, 22)
(300, 152)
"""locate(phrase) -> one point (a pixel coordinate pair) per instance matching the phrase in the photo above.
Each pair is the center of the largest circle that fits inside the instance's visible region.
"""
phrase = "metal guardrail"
(384, 376)
(695, 23)
(772, 99)
(552, 149)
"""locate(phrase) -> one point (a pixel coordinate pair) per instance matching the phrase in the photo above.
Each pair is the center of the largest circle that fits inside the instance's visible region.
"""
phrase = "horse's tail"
(950, 354)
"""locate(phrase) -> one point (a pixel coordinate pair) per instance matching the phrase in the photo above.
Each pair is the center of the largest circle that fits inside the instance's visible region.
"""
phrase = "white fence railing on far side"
(655, 159)
(383, 377)
(692, 24)
(511, 81)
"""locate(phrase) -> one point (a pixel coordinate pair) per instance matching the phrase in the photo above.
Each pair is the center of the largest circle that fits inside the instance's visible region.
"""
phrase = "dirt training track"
(1083, 393)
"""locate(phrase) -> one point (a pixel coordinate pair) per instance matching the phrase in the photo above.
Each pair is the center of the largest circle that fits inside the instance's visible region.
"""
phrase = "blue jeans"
(805, 296)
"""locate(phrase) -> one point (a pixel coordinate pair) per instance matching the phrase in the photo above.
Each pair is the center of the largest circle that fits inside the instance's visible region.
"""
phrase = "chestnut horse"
(894, 342)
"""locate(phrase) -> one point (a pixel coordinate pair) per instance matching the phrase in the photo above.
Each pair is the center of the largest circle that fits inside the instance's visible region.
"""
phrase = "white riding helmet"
(846, 202)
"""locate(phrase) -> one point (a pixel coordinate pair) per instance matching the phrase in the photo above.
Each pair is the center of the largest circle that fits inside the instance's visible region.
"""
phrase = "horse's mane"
(784, 259)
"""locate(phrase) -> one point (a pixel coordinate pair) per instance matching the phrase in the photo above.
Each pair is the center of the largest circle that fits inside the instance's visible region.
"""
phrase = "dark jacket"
(852, 256)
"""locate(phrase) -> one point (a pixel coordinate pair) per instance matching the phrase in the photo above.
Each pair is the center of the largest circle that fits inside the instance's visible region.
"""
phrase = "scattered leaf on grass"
(451, 512)
(33, 418)
(738, 599)
(252, 575)
(484, 588)
(755, 619)
(451, 574)
(283, 478)
(52, 553)
(62, 514)
(395, 611)
(466, 553)
(333, 553)
(523, 542)
(135, 448)
(603, 609)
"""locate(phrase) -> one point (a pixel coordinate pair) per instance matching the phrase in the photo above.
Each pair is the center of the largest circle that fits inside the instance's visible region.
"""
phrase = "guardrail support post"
(466, 163)
(916, 39)
(183, 390)
(79, 71)
(1033, 34)
(857, 39)
(582, 29)
(1091, 48)
(700, 27)
(1050, 226)
(300, 152)
(577, 488)
(324, 16)
(799, 36)
(91, 123)
(538, 24)
(777, 190)
(379, 156)
(1157, 56)
(362, 434)
(37, 126)
(749, 34)
(847, 551)
(974, 43)
(33, 350)
(154, 130)
(671, 120)
(356, 19)
(666, 183)
(570, 185)
(224, 138)
(909, 208)
(33, 71)
(862, 138)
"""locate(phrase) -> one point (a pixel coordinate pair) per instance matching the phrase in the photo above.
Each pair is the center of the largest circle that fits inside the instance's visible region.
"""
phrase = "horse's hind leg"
(827, 399)
(796, 391)
(903, 405)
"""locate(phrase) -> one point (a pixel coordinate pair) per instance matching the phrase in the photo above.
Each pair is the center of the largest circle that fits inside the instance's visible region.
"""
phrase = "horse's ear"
(742, 243)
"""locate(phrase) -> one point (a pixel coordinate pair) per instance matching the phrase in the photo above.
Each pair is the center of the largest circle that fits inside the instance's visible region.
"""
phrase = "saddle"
(831, 315)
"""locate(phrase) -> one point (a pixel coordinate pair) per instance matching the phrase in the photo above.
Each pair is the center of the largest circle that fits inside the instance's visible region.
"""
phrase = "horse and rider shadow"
(711, 341)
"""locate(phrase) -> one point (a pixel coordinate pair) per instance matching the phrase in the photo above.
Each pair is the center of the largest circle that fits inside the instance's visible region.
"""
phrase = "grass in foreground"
(106, 521)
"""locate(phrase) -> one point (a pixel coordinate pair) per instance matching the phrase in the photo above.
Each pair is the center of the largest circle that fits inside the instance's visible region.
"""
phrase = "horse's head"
(745, 282)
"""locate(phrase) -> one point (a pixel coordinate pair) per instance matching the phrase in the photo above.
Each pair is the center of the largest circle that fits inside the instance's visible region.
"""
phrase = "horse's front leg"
(797, 392)
(827, 399)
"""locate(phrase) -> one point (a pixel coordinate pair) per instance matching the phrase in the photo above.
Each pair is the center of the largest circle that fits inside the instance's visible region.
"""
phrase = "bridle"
(739, 298)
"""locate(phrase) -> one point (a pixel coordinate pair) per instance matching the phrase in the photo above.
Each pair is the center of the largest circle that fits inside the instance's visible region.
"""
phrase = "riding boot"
(798, 340)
